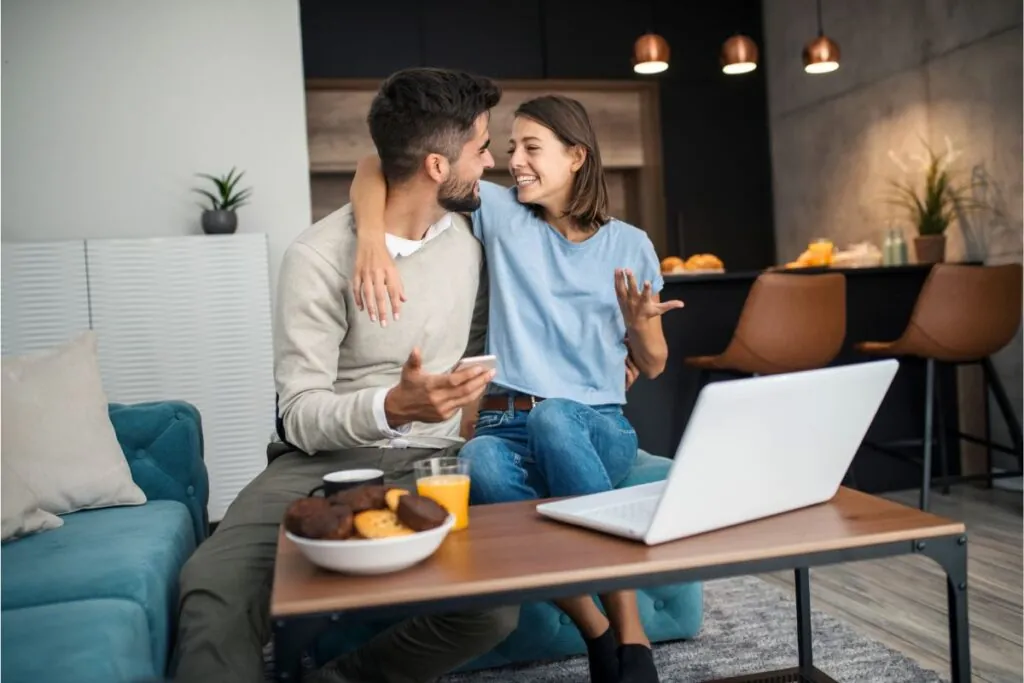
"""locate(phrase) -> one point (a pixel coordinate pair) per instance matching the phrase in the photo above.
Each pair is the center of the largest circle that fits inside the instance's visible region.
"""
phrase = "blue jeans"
(559, 448)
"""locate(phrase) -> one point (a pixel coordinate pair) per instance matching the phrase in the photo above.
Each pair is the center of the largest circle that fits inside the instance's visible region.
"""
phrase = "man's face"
(461, 190)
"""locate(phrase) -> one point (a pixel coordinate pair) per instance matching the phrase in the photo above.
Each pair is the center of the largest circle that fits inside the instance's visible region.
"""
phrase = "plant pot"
(219, 222)
(930, 248)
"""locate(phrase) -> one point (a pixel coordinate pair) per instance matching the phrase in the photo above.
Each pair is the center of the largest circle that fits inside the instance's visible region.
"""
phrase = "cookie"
(420, 513)
(392, 496)
(311, 518)
(380, 524)
(361, 498)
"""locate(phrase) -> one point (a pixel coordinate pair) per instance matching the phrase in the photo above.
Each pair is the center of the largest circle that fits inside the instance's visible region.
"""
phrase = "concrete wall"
(910, 69)
(111, 106)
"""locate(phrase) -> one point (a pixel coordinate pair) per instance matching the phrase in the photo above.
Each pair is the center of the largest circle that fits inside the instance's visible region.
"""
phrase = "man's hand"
(632, 371)
(377, 280)
(422, 397)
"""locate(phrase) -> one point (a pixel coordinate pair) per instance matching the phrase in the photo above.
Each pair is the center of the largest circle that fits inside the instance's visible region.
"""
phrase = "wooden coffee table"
(510, 555)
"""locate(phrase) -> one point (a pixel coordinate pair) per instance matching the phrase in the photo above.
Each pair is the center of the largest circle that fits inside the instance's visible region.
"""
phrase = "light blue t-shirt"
(555, 322)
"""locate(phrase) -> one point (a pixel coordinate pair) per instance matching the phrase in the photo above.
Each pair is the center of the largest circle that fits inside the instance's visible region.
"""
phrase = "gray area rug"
(749, 626)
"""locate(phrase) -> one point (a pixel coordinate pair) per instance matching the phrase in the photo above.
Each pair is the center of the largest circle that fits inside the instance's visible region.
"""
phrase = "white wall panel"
(44, 297)
(189, 318)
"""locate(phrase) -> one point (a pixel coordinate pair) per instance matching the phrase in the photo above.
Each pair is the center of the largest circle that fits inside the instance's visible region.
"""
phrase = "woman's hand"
(638, 306)
(377, 281)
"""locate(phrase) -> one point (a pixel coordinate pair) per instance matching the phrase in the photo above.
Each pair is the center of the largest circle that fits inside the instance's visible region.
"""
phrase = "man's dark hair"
(425, 111)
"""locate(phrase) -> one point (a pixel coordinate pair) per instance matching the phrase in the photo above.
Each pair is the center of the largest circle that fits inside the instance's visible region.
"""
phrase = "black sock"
(603, 658)
(636, 664)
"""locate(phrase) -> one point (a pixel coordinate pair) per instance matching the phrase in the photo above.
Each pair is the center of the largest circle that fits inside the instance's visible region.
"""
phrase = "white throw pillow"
(19, 507)
(57, 432)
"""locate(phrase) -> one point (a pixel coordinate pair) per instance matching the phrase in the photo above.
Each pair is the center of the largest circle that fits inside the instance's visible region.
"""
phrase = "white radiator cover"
(184, 318)
(44, 295)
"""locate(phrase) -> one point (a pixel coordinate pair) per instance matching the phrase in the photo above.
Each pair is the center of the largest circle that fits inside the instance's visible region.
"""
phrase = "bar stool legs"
(934, 431)
(934, 436)
(943, 437)
(929, 410)
(1003, 402)
(937, 433)
(994, 388)
(987, 412)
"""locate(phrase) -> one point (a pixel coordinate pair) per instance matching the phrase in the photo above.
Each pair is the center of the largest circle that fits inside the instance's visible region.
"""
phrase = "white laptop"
(752, 448)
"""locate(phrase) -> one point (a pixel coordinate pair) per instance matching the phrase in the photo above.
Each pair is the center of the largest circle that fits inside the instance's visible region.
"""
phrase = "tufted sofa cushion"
(161, 441)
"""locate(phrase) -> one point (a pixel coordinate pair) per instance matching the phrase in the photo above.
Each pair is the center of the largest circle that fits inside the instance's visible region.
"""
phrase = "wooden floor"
(902, 601)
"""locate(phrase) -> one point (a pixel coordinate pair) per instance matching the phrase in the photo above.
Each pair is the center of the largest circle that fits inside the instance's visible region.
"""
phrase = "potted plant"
(937, 206)
(219, 216)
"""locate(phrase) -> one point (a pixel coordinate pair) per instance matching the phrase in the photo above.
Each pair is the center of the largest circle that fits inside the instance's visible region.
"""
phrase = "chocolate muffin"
(312, 518)
(361, 498)
(345, 527)
(420, 513)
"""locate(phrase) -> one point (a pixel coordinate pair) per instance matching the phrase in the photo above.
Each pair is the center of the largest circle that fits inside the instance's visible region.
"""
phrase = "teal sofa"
(674, 612)
(95, 600)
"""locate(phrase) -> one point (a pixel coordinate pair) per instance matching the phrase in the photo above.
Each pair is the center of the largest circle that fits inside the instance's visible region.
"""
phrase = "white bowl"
(373, 556)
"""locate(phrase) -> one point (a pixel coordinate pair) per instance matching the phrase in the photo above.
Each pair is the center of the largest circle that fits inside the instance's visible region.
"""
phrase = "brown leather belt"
(500, 402)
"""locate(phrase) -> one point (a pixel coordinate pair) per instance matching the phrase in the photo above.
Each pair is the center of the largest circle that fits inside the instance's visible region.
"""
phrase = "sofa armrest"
(163, 443)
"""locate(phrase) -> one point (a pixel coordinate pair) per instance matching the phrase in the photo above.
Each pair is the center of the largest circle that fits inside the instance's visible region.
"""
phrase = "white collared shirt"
(400, 247)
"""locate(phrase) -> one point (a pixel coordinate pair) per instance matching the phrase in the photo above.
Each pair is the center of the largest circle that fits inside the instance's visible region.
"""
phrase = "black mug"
(342, 480)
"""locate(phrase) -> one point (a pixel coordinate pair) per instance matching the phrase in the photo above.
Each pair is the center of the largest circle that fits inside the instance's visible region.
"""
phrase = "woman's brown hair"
(568, 120)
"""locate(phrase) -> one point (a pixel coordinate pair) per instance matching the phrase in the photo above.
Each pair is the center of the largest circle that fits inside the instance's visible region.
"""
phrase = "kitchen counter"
(879, 303)
(911, 268)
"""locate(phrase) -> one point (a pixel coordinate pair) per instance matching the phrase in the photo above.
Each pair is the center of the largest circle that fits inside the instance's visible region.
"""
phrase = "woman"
(563, 300)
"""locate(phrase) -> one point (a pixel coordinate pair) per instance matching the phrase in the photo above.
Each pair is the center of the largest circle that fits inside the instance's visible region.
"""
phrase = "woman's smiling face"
(541, 164)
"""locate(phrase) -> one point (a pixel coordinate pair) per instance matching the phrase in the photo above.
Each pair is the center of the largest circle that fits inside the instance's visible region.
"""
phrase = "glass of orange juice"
(446, 481)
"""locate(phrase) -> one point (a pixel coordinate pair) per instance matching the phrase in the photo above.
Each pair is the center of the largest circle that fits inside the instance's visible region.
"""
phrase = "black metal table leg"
(951, 554)
(805, 645)
(291, 638)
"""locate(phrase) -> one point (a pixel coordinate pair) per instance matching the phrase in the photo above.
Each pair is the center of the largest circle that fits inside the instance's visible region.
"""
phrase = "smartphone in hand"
(486, 362)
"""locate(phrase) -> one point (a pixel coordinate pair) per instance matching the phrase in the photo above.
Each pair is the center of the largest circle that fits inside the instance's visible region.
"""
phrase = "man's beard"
(457, 196)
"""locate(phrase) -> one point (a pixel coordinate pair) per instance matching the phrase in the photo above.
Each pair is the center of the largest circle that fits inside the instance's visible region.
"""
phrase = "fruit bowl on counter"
(695, 265)
(823, 254)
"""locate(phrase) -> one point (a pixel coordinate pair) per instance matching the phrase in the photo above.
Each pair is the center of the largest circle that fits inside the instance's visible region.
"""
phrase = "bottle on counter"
(888, 249)
(901, 249)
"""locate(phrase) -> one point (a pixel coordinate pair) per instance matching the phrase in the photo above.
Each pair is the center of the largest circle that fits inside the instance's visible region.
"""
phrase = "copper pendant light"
(821, 55)
(650, 54)
(739, 55)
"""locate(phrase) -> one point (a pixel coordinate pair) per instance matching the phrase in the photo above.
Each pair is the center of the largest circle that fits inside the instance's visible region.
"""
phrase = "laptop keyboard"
(634, 514)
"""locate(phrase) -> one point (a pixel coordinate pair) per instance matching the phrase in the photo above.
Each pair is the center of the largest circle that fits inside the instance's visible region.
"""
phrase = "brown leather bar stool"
(963, 315)
(789, 323)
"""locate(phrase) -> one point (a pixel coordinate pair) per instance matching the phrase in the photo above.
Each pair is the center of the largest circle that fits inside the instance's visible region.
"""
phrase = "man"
(355, 394)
